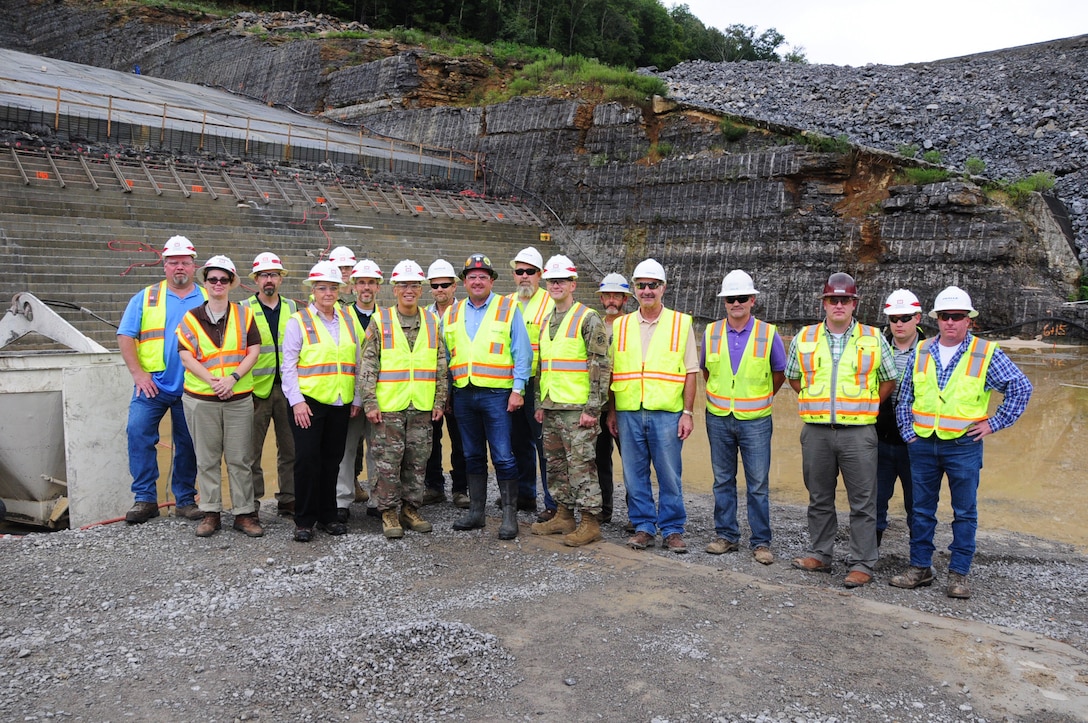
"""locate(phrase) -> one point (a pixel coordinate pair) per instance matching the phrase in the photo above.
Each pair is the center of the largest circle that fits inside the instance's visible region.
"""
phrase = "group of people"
(547, 384)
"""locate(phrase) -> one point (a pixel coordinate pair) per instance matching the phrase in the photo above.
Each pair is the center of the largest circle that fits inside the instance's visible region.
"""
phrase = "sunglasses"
(218, 280)
(649, 284)
(525, 272)
(742, 299)
(945, 316)
(444, 285)
(559, 282)
(900, 319)
(838, 300)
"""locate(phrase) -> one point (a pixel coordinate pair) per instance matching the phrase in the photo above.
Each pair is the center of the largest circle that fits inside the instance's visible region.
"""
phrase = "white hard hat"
(178, 246)
(649, 269)
(614, 282)
(737, 283)
(367, 269)
(528, 255)
(225, 264)
(267, 261)
(406, 270)
(324, 271)
(953, 299)
(342, 256)
(559, 267)
(441, 269)
(901, 302)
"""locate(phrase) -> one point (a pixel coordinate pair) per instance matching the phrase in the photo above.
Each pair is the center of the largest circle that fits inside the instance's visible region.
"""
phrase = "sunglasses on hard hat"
(742, 299)
(945, 316)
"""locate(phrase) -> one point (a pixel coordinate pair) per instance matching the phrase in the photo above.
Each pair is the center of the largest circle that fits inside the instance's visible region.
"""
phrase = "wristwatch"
(236, 377)
(520, 391)
(688, 412)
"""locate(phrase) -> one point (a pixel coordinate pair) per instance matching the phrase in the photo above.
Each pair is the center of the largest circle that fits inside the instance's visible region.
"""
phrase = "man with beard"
(613, 293)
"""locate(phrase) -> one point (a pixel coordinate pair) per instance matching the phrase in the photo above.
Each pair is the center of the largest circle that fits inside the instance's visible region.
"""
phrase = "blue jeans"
(527, 441)
(144, 415)
(961, 460)
(892, 462)
(484, 422)
(752, 438)
(650, 436)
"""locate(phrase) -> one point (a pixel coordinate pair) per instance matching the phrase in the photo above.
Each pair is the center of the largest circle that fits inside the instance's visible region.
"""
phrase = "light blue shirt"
(520, 347)
(172, 379)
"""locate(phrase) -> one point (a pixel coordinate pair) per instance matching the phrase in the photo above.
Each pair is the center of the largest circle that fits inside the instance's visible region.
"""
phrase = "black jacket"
(886, 428)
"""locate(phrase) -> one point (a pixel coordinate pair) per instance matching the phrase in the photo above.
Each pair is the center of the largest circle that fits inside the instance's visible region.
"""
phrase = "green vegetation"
(664, 148)
(555, 70)
(922, 176)
(732, 132)
(211, 7)
(1082, 289)
(908, 150)
(1019, 191)
(975, 166)
(933, 156)
(826, 144)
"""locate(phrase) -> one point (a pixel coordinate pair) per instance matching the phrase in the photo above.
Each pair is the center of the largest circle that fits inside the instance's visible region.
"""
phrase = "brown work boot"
(141, 512)
(249, 525)
(410, 518)
(391, 525)
(675, 543)
(589, 530)
(720, 546)
(913, 577)
(209, 525)
(361, 493)
(562, 524)
(189, 512)
(957, 586)
(641, 540)
(432, 497)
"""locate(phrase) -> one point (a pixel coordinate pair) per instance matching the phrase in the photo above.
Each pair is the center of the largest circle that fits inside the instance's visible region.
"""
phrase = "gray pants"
(222, 431)
(358, 428)
(852, 450)
(274, 409)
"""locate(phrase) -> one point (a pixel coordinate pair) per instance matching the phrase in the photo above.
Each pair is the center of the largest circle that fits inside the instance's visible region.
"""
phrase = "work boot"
(477, 498)
(189, 512)
(461, 501)
(249, 525)
(361, 493)
(957, 586)
(410, 518)
(508, 530)
(432, 497)
(561, 524)
(209, 525)
(141, 512)
(391, 525)
(589, 530)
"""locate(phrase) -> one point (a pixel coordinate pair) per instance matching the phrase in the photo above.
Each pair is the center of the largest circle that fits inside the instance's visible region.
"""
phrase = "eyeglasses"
(649, 284)
(559, 282)
(838, 300)
(945, 316)
(900, 319)
(218, 280)
(526, 272)
(444, 285)
(742, 299)
(413, 285)
(268, 275)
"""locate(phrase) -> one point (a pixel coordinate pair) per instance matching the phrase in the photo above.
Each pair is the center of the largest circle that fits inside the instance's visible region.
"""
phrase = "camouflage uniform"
(570, 450)
(401, 443)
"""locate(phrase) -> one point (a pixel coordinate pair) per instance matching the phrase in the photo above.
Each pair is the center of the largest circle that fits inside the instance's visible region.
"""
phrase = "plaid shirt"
(886, 372)
(1002, 375)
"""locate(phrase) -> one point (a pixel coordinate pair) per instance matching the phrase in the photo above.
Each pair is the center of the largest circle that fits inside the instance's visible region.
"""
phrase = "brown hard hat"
(841, 284)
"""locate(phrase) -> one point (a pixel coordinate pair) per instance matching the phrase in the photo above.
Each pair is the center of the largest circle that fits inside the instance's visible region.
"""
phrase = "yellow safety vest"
(856, 394)
(750, 392)
(326, 369)
(564, 367)
(964, 399)
(657, 384)
(486, 360)
(151, 344)
(407, 375)
(220, 361)
(533, 314)
(264, 372)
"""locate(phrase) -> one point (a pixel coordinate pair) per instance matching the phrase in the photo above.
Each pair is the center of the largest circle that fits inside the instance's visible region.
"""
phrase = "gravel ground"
(150, 623)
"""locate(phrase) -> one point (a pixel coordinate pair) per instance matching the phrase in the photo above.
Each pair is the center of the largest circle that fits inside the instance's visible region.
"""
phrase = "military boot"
(477, 498)
(508, 530)
(589, 530)
(391, 525)
(411, 519)
(561, 524)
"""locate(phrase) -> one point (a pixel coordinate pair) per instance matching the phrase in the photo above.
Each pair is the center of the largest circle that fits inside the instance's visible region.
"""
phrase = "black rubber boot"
(477, 498)
(509, 490)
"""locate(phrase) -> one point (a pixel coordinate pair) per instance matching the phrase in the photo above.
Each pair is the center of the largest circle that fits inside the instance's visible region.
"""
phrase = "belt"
(835, 426)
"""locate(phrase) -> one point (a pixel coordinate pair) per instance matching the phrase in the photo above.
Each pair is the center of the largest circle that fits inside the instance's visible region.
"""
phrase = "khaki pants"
(274, 409)
(222, 431)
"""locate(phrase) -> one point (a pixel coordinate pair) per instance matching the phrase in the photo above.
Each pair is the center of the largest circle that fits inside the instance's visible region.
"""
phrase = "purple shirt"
(737, 341)
(292, 345)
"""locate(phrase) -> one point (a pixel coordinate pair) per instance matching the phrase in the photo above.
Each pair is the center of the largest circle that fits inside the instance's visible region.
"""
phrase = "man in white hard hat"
(744, 362)
(654, 366)
(443, 282)
(904, 311)
(402, 385)
(613, 293)
(535, 304)
(572, 388)
(219, 344)
(824, 365)
(147, 343)
(366, 277)
(270, 313)
(943, 415)
(344, 258)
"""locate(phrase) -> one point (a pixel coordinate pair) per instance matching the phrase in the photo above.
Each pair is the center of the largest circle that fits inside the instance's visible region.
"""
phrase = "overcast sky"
(856, 32)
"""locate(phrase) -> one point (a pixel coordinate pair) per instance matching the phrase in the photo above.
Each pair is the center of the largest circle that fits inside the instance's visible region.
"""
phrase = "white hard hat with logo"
(649, 269)
(342, 256)
(953, 299)
(367, 269)
(267, 261)
(737, 283)
(407, 270)
(178, 246)
(528, 255)
(614, 283)
(324, 271)
(901, 302)
(224, 264)
(441, 269)
(559, 267)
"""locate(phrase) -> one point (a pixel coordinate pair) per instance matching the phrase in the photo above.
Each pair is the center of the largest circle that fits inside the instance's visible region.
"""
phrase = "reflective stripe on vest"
(151, 343)
(749, 393)
(657, 383)
(220, 361)
(326, 368)
(964, 399)
(538, 307)
(564, 368)
(856, 393)
(406, 375)
(264, 372)
(486, 360)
